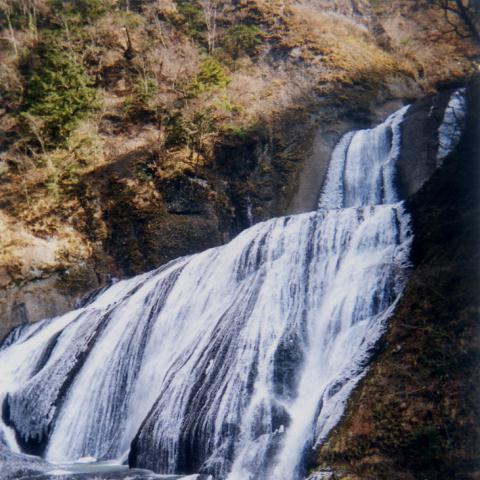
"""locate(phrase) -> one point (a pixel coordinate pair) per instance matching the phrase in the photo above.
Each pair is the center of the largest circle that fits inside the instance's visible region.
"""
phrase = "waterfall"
(234, 362)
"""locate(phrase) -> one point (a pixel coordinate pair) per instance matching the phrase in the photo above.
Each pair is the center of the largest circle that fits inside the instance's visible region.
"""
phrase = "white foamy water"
(233, 362)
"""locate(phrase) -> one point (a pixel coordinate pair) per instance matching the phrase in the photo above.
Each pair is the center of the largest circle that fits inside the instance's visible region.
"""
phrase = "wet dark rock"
(288, 356)
(186, 196)
(418, 156)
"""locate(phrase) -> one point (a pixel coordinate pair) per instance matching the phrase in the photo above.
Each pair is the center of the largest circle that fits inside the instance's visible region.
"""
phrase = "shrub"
(242, 39)
(58, 92)
(145, 90)
(242, 133)
(192, 17)
(211, 76)
(87, 10)
(177, 133)
(192, 132)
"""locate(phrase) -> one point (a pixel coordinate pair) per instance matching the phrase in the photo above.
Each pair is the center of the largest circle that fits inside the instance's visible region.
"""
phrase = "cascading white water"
(236, 361)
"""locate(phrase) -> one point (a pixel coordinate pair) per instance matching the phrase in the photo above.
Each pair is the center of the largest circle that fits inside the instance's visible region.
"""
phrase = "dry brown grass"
(345, 49)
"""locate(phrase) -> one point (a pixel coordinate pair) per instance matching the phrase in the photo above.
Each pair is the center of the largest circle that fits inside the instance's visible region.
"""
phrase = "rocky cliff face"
(416, 413)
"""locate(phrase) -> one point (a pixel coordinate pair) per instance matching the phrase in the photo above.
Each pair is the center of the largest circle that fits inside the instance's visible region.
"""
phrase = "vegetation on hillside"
(58, 94)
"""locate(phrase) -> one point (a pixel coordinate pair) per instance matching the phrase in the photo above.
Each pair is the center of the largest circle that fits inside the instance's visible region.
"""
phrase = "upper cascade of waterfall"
(362, 167)
(234, 362)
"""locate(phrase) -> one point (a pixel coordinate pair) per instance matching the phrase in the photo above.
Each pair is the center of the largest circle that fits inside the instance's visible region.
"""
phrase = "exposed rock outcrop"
(418, 157)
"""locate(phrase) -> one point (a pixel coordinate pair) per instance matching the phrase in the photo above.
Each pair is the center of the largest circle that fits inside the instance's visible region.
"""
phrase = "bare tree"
(462, 16)
(210, 11)
(6, 9)
(27, 9)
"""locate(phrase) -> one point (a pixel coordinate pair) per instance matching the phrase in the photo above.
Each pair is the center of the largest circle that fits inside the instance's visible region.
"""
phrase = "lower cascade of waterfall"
(235, 362)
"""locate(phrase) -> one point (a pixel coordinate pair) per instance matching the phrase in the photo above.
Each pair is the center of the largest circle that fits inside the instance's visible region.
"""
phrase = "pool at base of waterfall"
(20, 466)
(104, 471)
